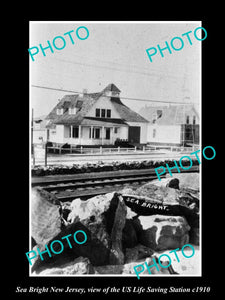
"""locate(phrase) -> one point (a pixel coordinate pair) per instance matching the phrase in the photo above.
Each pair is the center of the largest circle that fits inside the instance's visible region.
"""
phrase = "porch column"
(111, 135)
(79, 134)
(103, 135)
(91, 134)
(71, 133)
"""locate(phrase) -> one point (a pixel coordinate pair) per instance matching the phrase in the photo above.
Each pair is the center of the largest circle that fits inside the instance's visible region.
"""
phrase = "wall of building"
(166, 134)
(57, 135)
(39, 136)
(103, 103)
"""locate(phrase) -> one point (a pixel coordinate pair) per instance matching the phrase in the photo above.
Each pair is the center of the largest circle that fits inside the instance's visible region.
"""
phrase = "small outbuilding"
(172, 125)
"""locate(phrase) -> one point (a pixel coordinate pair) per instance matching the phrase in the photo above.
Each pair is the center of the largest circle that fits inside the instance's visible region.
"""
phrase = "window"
(194, 120)
(59, 111)
(72, 111)
(154, 133)
(108, 113)
(97, 112)
(187, 120)
(115, 130)
(75, 132)
(103, 113)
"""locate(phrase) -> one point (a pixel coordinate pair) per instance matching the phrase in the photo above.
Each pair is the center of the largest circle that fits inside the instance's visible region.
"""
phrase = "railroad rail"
(69, 187)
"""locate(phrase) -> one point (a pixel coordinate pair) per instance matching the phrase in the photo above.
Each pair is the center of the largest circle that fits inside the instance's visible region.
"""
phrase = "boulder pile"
(123, 228)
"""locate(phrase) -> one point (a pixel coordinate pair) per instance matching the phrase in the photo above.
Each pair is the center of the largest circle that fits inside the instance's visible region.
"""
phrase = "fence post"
(135, 148)
(100, 149)
(81, 149)
(118, 148)
(143, 148)
(71, 149)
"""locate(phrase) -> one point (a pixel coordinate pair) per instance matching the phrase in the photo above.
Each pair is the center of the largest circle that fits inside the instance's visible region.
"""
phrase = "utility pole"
(32, 134)
(32, 124)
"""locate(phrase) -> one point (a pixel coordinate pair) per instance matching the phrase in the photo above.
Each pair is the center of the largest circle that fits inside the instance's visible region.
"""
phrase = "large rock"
(45, 216)
(79, 266)
(105, 217)
(128, 268)
(160, 194)
(129, 237)
(190, 265)
(150, 199)
(163, 232)
(116, 251)
(102, 218)
(138, 252)
(165, 193)
(180, 181)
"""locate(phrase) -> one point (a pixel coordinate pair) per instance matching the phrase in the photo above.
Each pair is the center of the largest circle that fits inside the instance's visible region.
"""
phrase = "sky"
(115, 52)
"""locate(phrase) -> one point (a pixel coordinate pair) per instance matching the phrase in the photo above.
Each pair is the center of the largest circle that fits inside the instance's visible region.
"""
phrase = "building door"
(134, 134)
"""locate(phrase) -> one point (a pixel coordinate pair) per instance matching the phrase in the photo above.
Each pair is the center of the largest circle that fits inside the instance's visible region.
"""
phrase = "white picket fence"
(119, 150)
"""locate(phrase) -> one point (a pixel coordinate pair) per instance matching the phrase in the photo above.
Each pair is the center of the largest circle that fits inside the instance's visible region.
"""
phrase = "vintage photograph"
(115, 148)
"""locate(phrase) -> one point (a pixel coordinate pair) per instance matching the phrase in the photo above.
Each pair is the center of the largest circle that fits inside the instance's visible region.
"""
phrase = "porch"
(92, 135)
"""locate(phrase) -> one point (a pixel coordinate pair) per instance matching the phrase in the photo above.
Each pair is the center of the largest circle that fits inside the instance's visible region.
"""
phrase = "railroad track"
(69, 187)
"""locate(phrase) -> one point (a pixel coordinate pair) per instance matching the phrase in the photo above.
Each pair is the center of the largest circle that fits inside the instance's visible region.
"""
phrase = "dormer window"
(72, 110)
(59, 111)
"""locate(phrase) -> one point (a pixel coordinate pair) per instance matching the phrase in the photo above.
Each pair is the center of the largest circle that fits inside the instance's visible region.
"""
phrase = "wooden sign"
(40, 153)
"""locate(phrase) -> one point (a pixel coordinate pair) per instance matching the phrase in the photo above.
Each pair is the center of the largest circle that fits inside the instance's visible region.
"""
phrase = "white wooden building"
(95, 119)
(171, 124)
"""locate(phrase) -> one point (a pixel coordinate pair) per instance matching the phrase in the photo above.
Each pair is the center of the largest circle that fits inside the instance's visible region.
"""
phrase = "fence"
(42, 151)
(100, 150)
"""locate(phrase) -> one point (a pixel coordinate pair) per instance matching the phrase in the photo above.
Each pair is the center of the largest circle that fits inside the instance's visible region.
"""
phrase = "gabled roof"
(125, 112)
(171, 115)
(84, 104)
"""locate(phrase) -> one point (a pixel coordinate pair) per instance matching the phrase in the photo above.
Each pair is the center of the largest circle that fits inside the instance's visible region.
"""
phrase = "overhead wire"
(125, 98)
